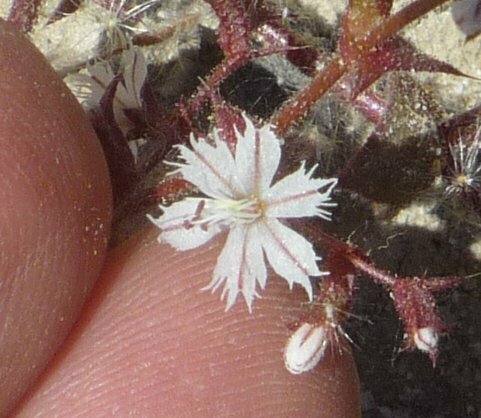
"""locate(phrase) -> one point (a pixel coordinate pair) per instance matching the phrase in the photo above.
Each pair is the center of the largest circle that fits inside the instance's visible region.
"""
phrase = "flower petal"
(255, 254)
(290, 254)
(297, 195)
(135, 73)
(179, 227)
(211, 168)
(89, 88)
(240, 265)
(258, 152)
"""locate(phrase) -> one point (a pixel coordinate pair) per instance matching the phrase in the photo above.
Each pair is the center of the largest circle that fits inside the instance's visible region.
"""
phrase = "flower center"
(244, 210)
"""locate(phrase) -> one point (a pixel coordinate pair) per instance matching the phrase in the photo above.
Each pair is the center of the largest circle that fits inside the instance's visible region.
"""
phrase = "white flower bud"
(426, 339)
(305, 348)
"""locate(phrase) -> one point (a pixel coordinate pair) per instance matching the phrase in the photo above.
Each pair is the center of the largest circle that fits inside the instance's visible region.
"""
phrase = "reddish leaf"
(366, 66)
(362, 34)
(23, 14)
(227, 117)
(119, 158)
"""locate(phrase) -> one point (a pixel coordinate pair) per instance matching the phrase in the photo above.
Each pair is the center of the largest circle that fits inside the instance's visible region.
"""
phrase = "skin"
(54, 217)
(148, 341)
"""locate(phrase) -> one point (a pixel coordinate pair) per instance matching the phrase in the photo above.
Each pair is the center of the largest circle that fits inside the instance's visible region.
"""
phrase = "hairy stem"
(299, 105)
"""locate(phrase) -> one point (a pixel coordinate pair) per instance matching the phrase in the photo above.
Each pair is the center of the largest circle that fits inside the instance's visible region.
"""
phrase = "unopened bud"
(426, 339)
(305, 348)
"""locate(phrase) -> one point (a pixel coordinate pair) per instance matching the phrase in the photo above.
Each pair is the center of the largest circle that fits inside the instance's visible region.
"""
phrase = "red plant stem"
(303, 101)
(223, 70)
(353, 255)
(324, 80)
(379, 276)
(220, 73)
(373, 108)
(393, 24)
(361, 262)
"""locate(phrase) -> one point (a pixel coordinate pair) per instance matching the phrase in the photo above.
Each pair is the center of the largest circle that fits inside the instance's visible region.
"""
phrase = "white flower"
(241, 199)
(89, 88)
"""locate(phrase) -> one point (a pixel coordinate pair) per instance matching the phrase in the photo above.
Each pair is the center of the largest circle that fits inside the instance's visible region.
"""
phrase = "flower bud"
(426, 339)
(305, 348)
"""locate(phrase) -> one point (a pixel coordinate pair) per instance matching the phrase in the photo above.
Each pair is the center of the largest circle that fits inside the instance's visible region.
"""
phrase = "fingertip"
(154, 344)
(55, 214)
